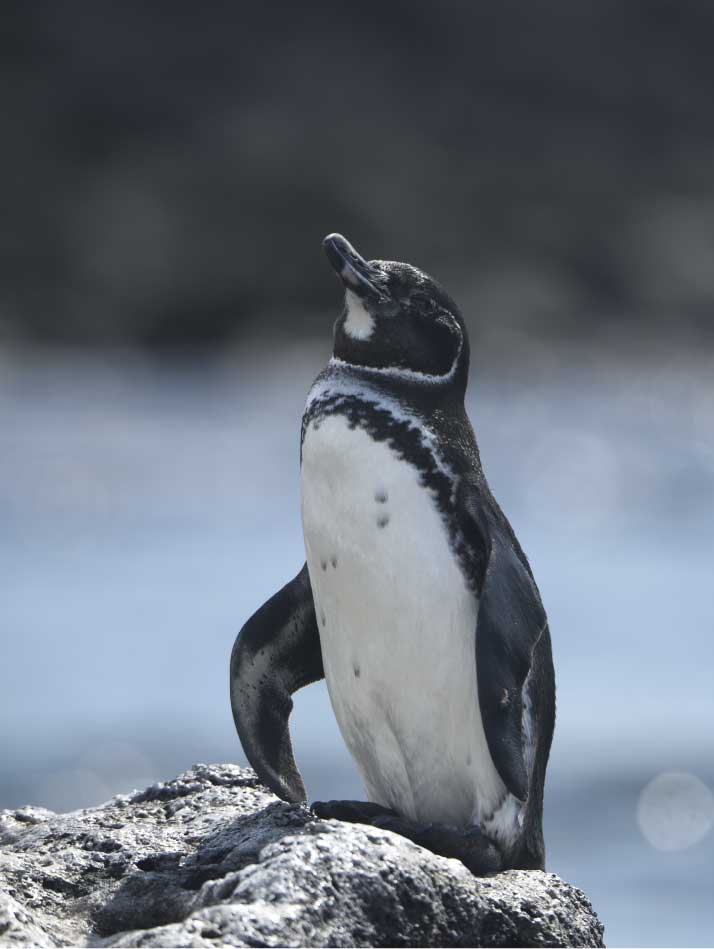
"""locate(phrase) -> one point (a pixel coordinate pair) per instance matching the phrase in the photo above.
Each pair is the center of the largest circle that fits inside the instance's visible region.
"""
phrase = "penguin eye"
(431, 311)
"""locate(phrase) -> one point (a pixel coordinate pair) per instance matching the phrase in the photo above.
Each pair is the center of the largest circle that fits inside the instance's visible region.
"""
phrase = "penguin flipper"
(511, 620)
(276, 653)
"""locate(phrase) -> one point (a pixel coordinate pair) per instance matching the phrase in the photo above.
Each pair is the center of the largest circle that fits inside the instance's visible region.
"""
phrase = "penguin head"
(396, 319)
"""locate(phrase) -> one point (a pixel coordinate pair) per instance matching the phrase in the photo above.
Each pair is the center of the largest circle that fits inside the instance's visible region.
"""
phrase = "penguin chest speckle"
(397, 627)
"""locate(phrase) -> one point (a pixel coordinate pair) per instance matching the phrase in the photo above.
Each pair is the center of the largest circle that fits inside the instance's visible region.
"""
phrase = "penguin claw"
(353, 812)
(471, 846)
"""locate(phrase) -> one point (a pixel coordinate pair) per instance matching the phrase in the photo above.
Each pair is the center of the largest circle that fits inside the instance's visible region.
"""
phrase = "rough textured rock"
(213, 858)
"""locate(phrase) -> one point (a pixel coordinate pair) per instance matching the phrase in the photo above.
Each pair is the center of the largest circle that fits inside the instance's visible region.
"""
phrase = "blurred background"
(168, 172)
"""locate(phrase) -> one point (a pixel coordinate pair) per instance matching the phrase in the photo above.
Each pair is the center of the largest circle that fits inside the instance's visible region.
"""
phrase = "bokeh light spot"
(675, 811)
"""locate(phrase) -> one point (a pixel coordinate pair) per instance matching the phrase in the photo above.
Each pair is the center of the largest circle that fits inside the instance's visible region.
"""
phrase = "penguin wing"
(511, 620)
(275, 654)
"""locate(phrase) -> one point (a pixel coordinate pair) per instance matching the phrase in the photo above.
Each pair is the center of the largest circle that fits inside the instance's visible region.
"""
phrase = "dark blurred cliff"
(169, 169)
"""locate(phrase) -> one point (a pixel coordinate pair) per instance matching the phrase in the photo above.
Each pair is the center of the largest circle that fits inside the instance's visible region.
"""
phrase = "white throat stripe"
(359, 323)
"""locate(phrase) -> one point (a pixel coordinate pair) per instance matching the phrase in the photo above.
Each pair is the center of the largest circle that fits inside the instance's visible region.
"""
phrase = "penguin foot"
(468, 844)
(354, 812)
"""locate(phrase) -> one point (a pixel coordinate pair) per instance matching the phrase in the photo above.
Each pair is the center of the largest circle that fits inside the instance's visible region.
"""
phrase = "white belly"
(397, 624)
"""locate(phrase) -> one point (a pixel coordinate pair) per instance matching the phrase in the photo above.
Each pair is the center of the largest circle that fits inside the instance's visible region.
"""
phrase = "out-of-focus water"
(147, 512)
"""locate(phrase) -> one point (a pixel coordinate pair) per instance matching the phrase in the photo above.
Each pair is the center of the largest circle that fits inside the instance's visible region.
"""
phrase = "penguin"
(416, 603)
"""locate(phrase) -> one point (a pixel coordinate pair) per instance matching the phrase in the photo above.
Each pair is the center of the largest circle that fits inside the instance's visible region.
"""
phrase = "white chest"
(397, 624)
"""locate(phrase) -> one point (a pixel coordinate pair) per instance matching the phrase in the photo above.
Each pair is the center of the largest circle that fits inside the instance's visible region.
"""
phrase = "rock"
(213, 858)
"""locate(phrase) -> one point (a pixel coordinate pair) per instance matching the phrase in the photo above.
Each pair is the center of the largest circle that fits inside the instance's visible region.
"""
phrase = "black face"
(395, 316)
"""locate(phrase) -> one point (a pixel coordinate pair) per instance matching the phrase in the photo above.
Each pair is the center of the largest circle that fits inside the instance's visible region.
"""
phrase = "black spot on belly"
(382, 520)
(357, 671)
(323, 564)
(333, 560)
(381, 497)
(322, 617)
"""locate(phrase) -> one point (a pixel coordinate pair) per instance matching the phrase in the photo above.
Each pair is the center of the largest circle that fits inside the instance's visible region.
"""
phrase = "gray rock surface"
(213, 858)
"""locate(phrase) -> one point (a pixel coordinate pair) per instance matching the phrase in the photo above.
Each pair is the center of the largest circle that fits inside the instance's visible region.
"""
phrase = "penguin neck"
(425, 393)
(447, 388)
(448, 384)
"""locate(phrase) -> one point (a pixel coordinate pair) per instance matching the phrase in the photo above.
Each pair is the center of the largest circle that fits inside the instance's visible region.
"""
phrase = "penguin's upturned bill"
(416, 603)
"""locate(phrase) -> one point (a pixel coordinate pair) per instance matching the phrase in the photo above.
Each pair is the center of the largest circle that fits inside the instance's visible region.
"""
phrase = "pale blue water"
(146, 513)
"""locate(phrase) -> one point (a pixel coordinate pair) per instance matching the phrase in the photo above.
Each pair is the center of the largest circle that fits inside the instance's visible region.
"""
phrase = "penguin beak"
(351, 268)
